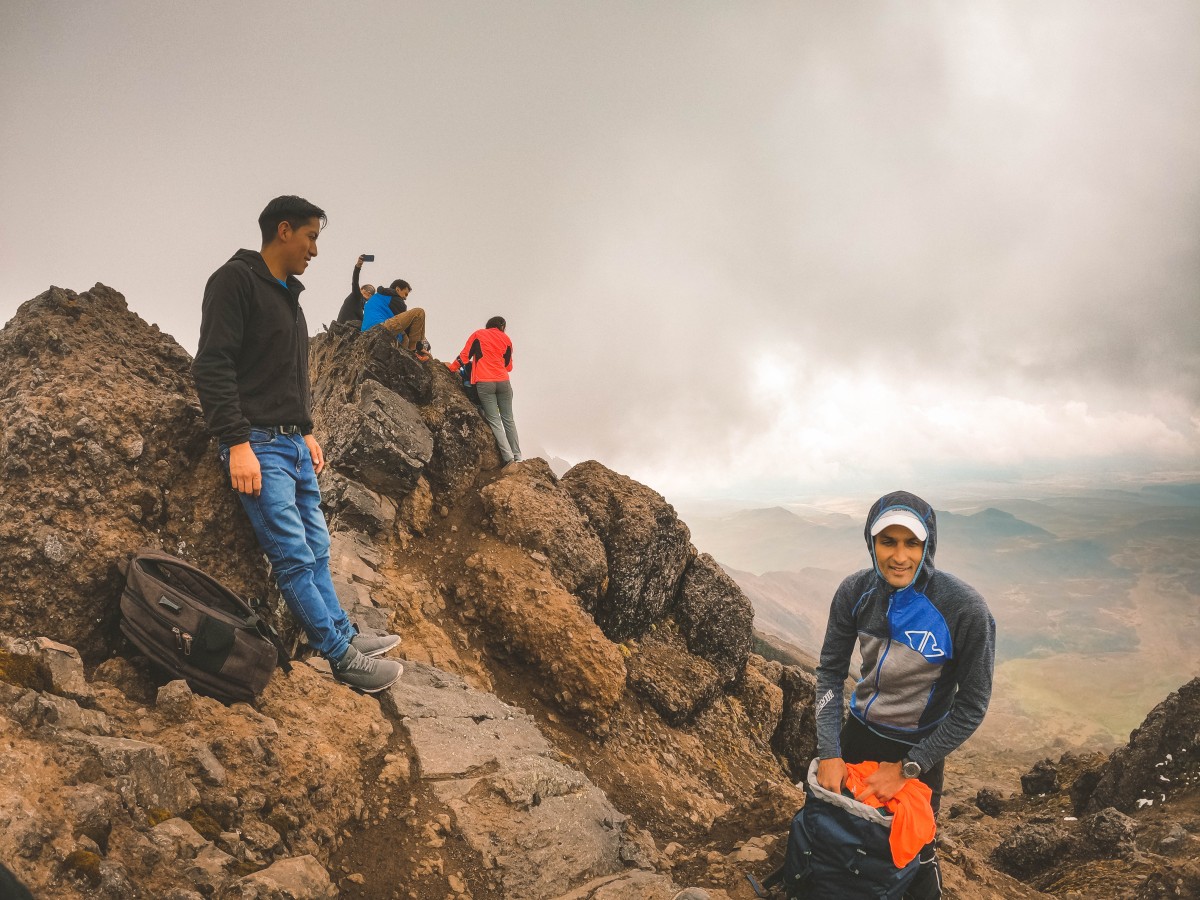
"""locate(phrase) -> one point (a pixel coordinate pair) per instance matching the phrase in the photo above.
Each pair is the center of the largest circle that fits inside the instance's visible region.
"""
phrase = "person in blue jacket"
(928, 644)
(389, 308)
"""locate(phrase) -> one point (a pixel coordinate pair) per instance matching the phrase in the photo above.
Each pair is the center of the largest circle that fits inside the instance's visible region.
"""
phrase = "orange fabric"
(494, 359)
(912, 813)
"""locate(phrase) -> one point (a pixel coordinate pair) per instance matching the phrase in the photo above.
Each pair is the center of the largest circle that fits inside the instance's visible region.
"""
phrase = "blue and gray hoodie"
(928, 651)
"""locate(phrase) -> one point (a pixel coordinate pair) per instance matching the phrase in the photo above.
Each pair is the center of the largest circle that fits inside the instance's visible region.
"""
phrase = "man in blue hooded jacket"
(927, 641)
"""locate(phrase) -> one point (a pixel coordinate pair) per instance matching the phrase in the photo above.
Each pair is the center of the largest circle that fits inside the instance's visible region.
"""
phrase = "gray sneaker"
(364, 673)
(374, 644)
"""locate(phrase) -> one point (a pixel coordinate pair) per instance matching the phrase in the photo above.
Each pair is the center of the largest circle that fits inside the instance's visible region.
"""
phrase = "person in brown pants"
(390, 309)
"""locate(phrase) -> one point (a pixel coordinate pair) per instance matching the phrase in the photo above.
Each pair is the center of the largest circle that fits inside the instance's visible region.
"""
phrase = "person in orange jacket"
(489, 353)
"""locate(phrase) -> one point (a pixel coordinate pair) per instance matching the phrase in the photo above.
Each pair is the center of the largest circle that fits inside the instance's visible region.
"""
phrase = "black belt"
(278, 429)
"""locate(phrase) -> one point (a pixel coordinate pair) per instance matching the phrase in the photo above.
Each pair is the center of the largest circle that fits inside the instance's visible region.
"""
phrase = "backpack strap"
(268, 631)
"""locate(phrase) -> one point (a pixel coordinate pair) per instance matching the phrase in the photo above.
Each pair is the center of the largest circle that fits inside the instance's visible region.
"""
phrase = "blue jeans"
(495, 399)
(291, 530)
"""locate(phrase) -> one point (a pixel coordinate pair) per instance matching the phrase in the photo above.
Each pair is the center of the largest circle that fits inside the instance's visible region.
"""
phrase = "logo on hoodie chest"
(925, 643)
(917, 623)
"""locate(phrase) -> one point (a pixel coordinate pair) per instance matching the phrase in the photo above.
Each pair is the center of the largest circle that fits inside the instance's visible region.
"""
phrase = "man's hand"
(831, 774)
(885, 782)
(359, 264)
(314, 449)
(244, 471)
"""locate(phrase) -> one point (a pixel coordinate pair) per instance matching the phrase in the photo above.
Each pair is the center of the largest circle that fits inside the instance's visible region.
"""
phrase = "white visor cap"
(900, 517)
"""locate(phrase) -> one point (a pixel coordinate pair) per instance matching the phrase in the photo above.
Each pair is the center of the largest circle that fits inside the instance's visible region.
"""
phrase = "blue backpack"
(838, 848)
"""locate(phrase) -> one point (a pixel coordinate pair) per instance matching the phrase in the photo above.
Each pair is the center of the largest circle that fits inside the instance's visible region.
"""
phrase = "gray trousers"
(495, 397)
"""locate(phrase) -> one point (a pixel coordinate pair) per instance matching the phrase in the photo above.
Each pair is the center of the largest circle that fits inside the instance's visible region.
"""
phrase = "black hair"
(400, 285)
(496, 322)
(288, 208)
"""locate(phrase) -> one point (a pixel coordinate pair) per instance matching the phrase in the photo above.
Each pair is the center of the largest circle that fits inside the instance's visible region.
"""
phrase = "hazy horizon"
(777, 250)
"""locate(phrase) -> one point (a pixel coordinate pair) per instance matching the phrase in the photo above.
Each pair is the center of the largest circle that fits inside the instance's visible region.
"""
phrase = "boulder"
(989, 802)
(1032, 849)
(43, 664)
(715, 617)
(795, 740)
(673, 681)
(379, 440)
(92, 808)
(143, 471)
(646, 544)
(529, 613)
(298, 878)
(177, 839)
(1041, 779)
(60, 712)
(762, 699)
(1110, 833)
(142, 771)
(528, 508)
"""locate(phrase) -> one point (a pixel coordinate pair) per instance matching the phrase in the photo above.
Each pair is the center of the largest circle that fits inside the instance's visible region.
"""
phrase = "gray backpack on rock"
(190, 624)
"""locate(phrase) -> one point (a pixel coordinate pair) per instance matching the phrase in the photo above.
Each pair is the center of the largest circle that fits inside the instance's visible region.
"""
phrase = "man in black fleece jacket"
(251, 373)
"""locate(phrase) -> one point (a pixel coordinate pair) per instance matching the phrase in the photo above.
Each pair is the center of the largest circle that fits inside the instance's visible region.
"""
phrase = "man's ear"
(283, 230)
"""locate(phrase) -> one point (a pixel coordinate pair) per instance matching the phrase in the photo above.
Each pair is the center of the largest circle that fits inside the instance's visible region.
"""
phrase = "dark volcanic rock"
(379, 439)
(1032, 849)
(343, 362)
(103, 450)
(989, 802)
(715, 617)
(1041, 779)
(796, 737)
(463, 444)
(645, 542)
(1111, 833)
(529, 509)
(1162, 756)
(351, 505)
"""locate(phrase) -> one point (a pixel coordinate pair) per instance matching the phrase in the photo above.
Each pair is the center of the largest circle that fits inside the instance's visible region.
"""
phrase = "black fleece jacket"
(251, 367)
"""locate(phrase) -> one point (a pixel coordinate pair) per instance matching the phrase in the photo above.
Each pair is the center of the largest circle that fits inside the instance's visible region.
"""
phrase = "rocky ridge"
(581, 715)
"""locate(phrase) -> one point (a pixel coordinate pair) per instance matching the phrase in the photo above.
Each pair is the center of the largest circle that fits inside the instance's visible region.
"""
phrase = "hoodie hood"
(258, 266)
(923, 511)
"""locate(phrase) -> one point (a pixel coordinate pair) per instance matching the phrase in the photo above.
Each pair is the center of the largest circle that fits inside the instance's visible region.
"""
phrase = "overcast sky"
(768, 249)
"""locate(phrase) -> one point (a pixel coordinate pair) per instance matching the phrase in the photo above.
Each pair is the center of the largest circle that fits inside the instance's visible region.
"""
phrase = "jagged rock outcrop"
(1161, 758)
(353, 368)
(646, 544)
(1045, 837)
(762, 698)
(379, 440)
(102, 450)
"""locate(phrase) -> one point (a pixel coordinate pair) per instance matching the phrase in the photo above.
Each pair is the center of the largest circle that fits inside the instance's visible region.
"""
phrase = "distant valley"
(1096, 597)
